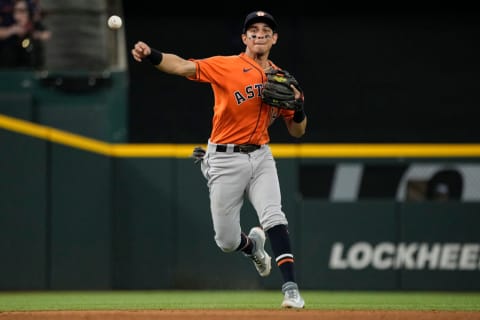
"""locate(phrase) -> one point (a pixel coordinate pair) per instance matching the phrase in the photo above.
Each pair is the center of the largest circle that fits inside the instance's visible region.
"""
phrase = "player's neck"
(260, 58)
(263, 62)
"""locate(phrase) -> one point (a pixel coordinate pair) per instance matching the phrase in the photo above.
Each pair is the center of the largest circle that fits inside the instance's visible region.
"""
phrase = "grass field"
(164, 300)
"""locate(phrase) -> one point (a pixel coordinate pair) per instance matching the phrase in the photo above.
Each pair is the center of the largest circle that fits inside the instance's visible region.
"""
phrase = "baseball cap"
(259, 16)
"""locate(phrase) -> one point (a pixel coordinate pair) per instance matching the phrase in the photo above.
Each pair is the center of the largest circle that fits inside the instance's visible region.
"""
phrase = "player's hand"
(140, 51)
(298, 93)
(198, 154)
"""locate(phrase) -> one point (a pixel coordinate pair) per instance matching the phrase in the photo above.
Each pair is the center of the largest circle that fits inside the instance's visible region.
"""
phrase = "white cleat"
(260, 258)
(292, 297)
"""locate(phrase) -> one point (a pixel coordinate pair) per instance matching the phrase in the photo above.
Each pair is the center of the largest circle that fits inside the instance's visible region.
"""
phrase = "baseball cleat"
(292, 298)
(260, 258)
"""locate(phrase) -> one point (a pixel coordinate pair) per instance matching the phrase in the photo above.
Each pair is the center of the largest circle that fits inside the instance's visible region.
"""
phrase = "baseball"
(114, 22)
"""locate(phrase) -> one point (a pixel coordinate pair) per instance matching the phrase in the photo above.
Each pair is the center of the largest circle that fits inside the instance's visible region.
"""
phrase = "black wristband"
(155, 57)
(299, 115)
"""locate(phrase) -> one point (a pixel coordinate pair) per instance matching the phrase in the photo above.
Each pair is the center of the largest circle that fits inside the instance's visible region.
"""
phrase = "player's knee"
(227, 245)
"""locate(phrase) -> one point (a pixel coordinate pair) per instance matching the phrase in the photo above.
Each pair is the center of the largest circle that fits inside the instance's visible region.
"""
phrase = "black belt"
(243, 148)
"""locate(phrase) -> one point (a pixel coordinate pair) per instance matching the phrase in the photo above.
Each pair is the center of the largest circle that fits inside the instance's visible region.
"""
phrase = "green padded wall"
(18, 105)
(452, 226)
(144, 223)
(81, 219)
(23, 212)
(325, 223)
(90, 104)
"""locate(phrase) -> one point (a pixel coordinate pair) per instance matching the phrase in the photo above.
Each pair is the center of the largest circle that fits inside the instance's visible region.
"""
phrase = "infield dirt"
(304, 314)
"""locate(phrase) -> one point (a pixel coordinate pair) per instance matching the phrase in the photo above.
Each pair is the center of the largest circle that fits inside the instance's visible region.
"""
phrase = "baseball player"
(238, 162)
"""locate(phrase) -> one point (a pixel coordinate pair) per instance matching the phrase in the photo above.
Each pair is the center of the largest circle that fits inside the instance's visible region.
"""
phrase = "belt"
(243, 148)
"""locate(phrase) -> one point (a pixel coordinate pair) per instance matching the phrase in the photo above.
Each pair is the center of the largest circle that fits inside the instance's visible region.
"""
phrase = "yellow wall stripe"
(350, 150)
(54, 135)
(304, 150)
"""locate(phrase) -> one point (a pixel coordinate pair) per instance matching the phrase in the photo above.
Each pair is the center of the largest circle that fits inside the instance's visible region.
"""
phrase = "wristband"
(299, 115)
(155, 57)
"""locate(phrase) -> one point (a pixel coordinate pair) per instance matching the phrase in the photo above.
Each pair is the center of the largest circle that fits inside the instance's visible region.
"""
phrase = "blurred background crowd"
(22, 33)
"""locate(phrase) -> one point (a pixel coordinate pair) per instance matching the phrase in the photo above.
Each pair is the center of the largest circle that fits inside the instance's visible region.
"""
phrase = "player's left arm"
(297, 122)
(296, 129)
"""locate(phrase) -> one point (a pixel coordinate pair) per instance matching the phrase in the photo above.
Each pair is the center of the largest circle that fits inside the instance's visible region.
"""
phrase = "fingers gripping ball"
(114, 22)
(277, 90)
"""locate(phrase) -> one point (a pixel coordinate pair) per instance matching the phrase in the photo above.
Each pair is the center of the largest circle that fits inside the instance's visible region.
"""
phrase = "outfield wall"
(91, 104)
(78, 213)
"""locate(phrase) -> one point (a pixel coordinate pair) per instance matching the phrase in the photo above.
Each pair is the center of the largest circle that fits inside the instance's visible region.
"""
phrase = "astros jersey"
(240, 116)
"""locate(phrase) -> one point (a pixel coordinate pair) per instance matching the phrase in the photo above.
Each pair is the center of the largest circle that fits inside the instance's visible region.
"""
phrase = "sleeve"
(209, 70)
(286, 114)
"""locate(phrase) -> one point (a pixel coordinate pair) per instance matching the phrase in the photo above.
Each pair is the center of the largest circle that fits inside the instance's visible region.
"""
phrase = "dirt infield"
(241, 315)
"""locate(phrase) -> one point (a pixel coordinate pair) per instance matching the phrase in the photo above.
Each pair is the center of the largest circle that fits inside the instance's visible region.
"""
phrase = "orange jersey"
(239, 115)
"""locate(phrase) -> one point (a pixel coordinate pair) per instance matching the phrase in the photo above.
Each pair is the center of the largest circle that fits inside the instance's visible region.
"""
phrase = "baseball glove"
(277, 90)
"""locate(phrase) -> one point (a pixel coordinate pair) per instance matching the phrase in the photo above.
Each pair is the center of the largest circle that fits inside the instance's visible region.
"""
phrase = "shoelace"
(257, 261)
(292, 294)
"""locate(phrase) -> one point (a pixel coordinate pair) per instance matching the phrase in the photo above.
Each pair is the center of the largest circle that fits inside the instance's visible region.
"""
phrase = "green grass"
(156, 300)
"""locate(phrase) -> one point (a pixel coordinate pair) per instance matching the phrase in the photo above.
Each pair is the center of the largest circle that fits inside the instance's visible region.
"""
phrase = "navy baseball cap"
(259, 16)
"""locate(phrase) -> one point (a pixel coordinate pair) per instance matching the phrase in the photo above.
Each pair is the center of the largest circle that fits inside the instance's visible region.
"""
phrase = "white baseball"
(114, 22)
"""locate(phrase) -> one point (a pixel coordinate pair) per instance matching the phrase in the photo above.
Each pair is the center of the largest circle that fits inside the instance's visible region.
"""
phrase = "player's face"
(259, 37)
(259, 31)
